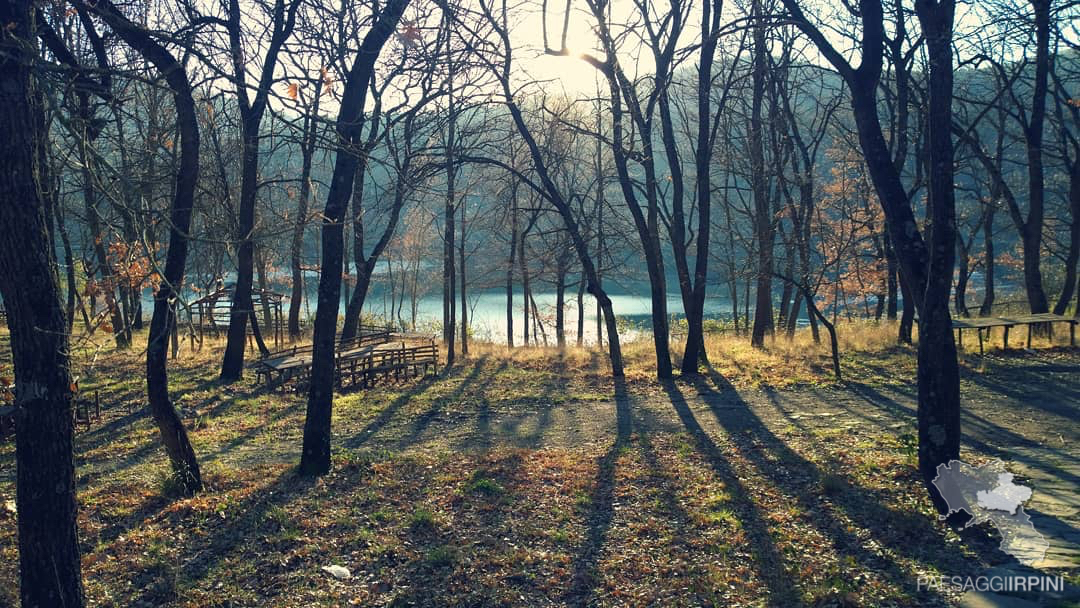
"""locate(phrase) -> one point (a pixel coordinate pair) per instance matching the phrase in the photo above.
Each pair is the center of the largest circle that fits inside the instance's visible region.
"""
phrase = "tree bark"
(1073, 255)
(449, 213)
(763, 222)
(525, 292)
(581, 312)
(49, 567)
(892, 285)
(560, 303)
(987, 306)
(72, 291)
(1032, 228)
(695, 353)
(938, 372)
(510, 264)
(963, 274)
(461, 274)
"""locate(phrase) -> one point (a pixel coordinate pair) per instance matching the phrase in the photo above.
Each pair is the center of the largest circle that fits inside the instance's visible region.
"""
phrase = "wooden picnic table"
(1045, 317)
(293, 363)
(1007, 323)
(979, 324)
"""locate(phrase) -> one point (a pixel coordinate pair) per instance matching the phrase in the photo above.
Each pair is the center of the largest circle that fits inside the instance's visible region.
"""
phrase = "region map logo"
(987, 493)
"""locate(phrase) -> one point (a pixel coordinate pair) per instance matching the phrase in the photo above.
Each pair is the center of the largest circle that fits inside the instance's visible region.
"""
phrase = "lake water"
(487, 313)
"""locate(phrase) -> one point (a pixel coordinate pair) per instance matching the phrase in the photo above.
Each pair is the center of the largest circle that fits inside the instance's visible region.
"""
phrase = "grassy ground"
(528, 478)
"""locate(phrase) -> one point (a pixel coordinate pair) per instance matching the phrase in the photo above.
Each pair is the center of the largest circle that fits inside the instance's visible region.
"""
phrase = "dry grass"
(482, 487)
(781, 363)
(867, 349)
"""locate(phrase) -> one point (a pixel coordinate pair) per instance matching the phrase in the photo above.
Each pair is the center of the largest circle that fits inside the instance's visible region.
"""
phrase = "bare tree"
(49, 566)
(251, 108)
(926, 266)
(315, 458)
(173, 435)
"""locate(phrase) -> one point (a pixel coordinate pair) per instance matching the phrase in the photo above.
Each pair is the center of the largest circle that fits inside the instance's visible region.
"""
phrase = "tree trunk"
(315, 457)
(449, 277)
(365, 267)
(1073, 254)
(296, 247)
(173, 435)
(538, 324)
(962, 277)
(938, 372)
(464, 299)
(763, 223)
(581, 312)
(793, 315)
(510, 265)
(232, 363)
(251, 113)
(72, 291)
(695, 318)
(524, 287)
(599, 230)
(560, 303)
(49, 567)
(907, 314)
(449, 274)
(787, 293)
(264, 286)
(987, 307)
(1032, 229)
(892, 286)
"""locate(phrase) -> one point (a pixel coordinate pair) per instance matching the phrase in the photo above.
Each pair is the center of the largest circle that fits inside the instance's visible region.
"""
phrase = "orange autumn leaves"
(292, 89)
(851, 224)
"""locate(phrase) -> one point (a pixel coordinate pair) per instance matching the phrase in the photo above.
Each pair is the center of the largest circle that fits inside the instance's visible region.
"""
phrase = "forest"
(531, 303)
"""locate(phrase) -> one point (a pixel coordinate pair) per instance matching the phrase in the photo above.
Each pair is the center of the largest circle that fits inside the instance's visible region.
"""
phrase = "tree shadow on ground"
(199, 556)
(802, 481)
(983, 428)
(420, 423)
(387, 413)
(769, 563)
(602, 501)
(553, 395)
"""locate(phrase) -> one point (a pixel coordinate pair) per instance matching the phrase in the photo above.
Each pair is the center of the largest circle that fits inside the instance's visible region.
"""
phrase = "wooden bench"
(82, 410)
(402, 362)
